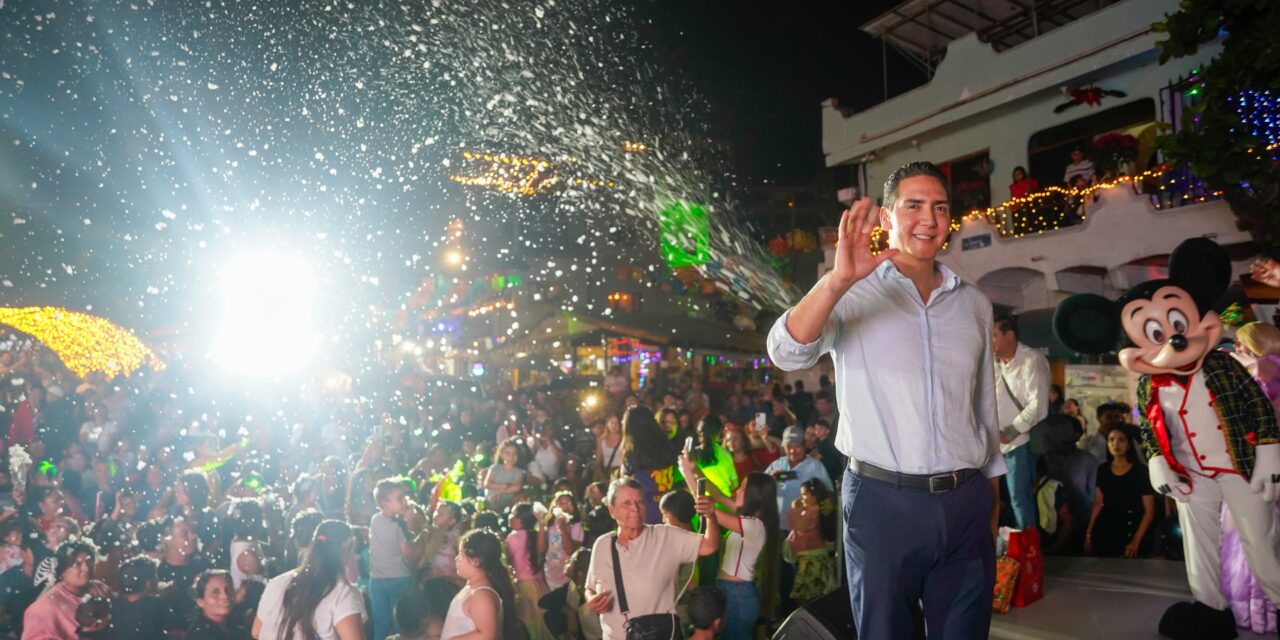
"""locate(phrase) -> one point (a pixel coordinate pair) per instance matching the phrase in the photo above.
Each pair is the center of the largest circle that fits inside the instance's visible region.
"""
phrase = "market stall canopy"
(85, 343)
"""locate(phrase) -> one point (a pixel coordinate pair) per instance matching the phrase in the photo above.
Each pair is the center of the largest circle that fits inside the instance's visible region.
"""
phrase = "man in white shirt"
(915, 379)
(1022, 400)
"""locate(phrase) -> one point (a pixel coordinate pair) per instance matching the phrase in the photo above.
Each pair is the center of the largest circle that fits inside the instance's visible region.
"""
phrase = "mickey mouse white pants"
(1202, 536)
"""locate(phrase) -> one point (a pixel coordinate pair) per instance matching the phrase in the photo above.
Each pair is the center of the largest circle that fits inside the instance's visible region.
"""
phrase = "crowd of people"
(134, 507)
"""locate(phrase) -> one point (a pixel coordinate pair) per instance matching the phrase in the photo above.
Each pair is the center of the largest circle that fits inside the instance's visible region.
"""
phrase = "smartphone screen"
(760, 420)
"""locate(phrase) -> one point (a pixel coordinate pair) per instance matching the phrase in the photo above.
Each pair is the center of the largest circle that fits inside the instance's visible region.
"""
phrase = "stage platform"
(1100, 598)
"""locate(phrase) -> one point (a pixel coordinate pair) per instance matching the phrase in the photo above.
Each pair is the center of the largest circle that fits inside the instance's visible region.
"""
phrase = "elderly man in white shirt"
(915, 381)
(1022, 400)
(648, 557)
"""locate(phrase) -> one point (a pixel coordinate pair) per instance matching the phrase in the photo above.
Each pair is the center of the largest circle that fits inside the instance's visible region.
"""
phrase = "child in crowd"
(583, 622)
(421, 610)
(677, 511)
(389, 552)
(812, 527)
(138, 612)
(93, 615)
(411, 617)
(10, 542)
(526, 547)
(486, 606)
(706, 611)
(485, 520)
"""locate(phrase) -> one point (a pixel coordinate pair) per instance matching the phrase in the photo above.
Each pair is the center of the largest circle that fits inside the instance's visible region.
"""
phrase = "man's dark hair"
(303, 526)
(799, 386)
(1108, 407)
(1007, 323)
(69, 551)
(201, 583)
(411, 612)
(912, 170)
(486, 520)
(706, 605)
(678, 504)
(150, 534)
(135, 573)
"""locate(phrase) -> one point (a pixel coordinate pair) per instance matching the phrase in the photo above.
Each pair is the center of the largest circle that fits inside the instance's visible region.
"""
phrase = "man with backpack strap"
(1022, 402)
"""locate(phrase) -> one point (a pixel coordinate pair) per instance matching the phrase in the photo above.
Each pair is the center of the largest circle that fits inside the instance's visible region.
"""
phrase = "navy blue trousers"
(913, 554)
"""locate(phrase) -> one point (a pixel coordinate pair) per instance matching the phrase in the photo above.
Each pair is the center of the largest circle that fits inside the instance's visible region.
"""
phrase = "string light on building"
(522, 175)
(1019, 217)
(629, 146)
(1260, 110)
(490, 308)
(83, 342)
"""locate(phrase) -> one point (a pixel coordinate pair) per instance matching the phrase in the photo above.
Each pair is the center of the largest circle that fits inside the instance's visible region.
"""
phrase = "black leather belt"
(935, 483)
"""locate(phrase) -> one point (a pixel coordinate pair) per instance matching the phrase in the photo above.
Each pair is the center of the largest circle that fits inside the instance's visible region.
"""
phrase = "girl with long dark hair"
(526, 547)
(485, 608)
(316, 600)
(1123, 503)
(647, 456)
(752, 550)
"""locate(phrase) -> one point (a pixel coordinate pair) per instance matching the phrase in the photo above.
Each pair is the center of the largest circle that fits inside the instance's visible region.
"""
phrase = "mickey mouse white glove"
(1168, 482)
(1266, 472)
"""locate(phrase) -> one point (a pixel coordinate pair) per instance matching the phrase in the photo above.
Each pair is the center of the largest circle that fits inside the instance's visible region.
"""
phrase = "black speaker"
(827, 618)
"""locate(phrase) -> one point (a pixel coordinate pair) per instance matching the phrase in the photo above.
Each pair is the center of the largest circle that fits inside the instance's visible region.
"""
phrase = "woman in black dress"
(1123, 503)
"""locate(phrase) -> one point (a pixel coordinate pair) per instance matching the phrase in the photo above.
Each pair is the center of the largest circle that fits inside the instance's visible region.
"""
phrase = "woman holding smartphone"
(752, 550)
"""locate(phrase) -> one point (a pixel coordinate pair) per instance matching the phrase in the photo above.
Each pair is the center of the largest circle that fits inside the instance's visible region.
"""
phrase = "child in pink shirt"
(526, 549)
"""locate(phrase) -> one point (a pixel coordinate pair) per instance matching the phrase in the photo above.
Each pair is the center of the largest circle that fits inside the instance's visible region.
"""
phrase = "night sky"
(766, 67)
(144, 145)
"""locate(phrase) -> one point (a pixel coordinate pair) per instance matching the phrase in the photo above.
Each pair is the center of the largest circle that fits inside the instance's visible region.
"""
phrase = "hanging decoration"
(1113, 153)
(1091, 96)
(84, 343)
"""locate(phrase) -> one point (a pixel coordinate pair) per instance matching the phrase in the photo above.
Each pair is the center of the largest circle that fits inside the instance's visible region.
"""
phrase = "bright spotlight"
(453, 257)
(268, 325)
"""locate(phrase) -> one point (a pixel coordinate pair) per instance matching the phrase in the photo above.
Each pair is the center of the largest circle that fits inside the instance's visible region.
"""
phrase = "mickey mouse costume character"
(1208, 429)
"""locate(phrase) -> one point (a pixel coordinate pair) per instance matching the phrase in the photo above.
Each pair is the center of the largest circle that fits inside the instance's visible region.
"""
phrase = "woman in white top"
(315, 600)
(485, 608)
(749, 568)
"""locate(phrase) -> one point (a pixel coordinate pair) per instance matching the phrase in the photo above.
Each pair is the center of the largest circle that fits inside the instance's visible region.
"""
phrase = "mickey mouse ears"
(1087, 323)
(1202, 268)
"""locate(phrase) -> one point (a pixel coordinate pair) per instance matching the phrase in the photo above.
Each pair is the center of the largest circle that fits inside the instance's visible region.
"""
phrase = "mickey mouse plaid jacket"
(1242, 409)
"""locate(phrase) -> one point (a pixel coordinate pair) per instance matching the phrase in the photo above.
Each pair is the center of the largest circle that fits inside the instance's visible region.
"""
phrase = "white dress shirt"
(915, 381)
(1027, 374)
